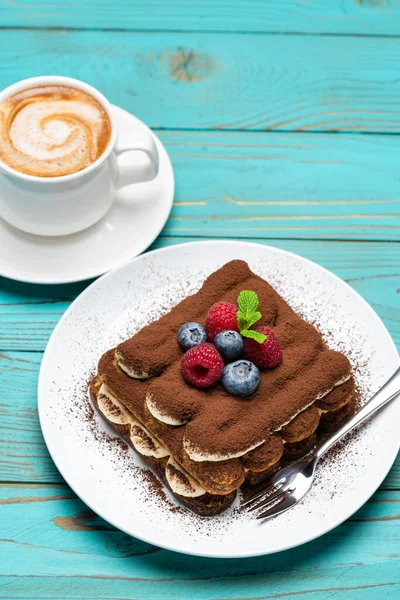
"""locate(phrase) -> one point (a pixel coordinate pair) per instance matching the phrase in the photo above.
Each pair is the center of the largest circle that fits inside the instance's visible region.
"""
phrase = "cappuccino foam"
(54, 130)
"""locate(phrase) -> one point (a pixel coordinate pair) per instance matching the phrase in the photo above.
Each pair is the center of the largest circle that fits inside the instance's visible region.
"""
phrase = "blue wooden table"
(282, 122)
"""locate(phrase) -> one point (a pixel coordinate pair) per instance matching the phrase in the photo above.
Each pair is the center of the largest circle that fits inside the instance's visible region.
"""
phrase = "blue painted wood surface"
(239, 81)
(194, 70)
(284, 185)
(368, 17)
(56, 548)
(29, 313)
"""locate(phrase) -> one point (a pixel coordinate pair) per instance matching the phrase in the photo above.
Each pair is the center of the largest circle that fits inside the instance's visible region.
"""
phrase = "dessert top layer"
(212, 424)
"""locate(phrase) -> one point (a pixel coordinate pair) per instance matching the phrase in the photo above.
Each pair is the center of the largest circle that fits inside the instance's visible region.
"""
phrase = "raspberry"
(267, 355)
(202, 365)
(221, 317)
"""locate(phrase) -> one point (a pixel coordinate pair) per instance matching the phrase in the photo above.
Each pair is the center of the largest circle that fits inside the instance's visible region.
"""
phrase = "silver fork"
(288, 486)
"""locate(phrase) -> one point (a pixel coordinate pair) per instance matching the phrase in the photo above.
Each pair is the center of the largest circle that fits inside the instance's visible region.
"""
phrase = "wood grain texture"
(23, 454)
(46, 555)
(285, 185)
(29, 313)
(292, 187)
(370, 17)
(237, 81)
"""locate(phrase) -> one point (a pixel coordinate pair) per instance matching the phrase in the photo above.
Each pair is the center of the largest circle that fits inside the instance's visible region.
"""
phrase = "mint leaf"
(254, 335)
(241, 320)
(248, 301)
(256, 316)
(247, 314)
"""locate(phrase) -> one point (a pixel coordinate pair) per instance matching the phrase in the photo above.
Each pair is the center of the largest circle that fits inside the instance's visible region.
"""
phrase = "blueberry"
(191, 334)
(241, 378)
(229, 344)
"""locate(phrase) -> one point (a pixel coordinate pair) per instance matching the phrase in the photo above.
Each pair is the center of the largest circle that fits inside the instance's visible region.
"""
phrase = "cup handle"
(127, 174)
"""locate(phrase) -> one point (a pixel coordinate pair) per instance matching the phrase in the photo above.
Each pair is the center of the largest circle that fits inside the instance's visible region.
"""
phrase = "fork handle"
(386, 394)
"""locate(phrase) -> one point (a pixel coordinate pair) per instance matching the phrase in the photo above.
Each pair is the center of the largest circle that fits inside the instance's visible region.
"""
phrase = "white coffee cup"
(71, 203)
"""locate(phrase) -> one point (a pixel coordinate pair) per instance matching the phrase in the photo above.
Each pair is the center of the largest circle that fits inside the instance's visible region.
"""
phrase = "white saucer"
(126, 231)
(107, 477)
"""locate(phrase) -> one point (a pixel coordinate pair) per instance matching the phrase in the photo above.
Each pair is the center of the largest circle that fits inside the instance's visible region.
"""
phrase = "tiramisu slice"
(223, 389)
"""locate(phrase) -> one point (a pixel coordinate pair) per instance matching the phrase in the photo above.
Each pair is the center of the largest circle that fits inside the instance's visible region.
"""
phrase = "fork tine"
(285, 503)
(267, 487)
(268, 499)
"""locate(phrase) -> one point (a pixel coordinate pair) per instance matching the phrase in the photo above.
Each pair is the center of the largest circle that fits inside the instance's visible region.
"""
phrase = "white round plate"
(105, 474)
(126, 231)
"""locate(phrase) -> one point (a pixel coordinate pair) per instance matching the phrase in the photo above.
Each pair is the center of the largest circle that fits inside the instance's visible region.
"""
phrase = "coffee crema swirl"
(54, 130)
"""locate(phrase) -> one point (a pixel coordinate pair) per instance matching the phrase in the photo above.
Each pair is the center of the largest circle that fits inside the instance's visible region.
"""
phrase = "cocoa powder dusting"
(138, 477)
(216, 422)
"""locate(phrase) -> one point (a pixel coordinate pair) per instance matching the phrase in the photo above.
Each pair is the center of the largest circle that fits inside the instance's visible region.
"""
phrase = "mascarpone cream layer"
(179, 480)
(116, 413)
(128, 370)
(199, 456)
(157, 414)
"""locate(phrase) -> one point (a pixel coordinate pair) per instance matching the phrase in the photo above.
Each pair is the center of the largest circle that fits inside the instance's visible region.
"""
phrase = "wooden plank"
(283, 185)
(54, 547)
(236, 81)
(29, 313)
(23, 455)
(348, 16)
